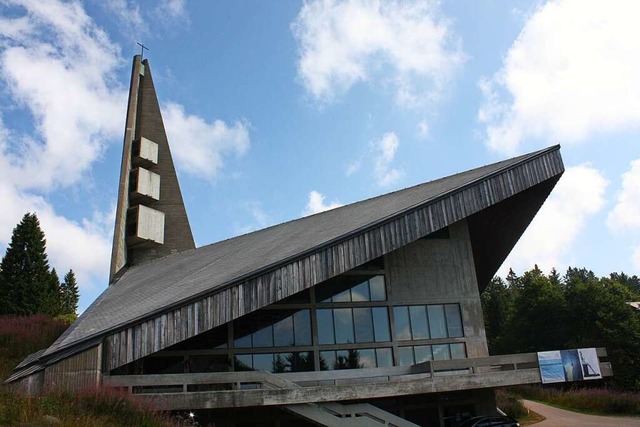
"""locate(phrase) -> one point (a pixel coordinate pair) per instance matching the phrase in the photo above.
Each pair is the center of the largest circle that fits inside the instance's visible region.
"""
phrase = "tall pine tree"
(4, 295)
(25, 268)
(53, 297)
(70, 294)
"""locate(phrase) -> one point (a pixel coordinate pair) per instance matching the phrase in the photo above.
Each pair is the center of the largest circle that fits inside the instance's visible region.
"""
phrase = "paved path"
(561, 418)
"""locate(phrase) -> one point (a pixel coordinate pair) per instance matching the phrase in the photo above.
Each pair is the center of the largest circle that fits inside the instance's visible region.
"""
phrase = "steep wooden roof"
(211, 285)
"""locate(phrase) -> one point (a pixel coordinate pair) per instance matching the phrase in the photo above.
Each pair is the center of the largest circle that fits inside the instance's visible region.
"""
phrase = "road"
(560, 418)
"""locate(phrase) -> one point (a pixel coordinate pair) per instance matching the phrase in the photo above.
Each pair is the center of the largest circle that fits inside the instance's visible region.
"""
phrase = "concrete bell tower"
(151, 220)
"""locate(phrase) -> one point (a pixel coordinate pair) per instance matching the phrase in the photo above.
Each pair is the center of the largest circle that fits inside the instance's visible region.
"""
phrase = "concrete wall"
(438, 271)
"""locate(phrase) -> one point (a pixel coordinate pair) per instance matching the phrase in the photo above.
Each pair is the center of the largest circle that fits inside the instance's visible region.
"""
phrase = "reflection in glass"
(263, 362)
(363, 324)
(367, 358)
(327, 360)
(381, 324)
(344, 296)
(458, 351)
(325, 326)
(376, 286)
(423, 353)
(263, 337)
(385, 358)
(343, 325)
(283, 332)
(243, 342)
(437, 323)
(405, 356)
(347, 359)
(454, 321)
(243, 362)
(403, 329)
(280, 363)
(299, 361)
(302, 327)
(210, 363)
(441, 352)
(163, 365)
(360, 292)
(419, 325)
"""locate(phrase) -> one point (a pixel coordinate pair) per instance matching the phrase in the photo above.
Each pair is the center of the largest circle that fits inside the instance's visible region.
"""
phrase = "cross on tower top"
(142, 48)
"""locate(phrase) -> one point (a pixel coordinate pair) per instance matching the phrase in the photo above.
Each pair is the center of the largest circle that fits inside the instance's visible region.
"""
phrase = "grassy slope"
(21, 336)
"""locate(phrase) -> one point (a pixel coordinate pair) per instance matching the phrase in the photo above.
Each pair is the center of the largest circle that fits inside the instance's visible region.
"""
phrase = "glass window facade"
(275, 362)
(420, 322)
(356, 358)
(344, 324)
(352, 325)
(274, 328)
(409, 355)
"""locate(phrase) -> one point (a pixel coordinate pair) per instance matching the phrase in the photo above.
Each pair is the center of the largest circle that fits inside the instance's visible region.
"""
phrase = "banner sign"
(569, 365)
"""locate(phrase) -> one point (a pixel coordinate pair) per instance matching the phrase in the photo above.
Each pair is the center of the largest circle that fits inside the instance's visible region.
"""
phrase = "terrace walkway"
(256, 388)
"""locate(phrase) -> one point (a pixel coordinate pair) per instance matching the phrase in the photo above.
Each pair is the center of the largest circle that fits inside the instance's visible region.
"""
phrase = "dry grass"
(93, 408)
(599, 401)
(23, 335)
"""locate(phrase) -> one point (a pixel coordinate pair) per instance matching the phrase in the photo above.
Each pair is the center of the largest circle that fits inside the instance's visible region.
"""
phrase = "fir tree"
(4, 295)
(70, 294)
(25, 268)
(52, 301)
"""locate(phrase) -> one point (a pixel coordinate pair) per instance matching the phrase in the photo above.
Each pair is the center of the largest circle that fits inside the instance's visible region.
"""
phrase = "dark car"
(497, 421)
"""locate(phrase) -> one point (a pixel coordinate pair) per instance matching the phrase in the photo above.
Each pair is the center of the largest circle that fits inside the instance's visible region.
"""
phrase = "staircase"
(332, 414)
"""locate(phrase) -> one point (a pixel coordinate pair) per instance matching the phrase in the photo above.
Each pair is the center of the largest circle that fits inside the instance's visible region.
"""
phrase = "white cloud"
(407, 44)
(60, 70)
(136, 22)
(259, 218)
(354, 167)
(572, 72)
(200, 147)
(173, 8)
(423, 129)
(626, 213)
(129, 16)
(385, 151)
(548, 241)
(316, 204)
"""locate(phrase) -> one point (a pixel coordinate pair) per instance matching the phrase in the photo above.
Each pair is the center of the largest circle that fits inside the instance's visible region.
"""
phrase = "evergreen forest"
(539, 312)
(27, 283)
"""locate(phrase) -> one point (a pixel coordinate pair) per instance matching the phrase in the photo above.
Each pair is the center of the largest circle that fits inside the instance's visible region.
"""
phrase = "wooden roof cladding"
(519, 189)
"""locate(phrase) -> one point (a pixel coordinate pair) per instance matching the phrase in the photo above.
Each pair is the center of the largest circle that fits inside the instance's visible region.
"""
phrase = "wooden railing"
(249, 388)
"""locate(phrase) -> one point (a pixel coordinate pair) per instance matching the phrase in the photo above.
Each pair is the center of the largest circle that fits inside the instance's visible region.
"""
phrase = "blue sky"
(276, 110)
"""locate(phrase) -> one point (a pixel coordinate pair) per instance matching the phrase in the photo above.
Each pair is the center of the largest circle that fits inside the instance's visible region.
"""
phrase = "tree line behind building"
(539, 312)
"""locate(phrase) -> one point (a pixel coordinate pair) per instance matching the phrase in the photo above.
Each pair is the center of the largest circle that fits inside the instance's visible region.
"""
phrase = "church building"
(367, 314)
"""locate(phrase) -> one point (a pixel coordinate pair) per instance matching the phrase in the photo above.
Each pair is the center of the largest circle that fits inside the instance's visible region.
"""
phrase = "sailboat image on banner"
(589, 363)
